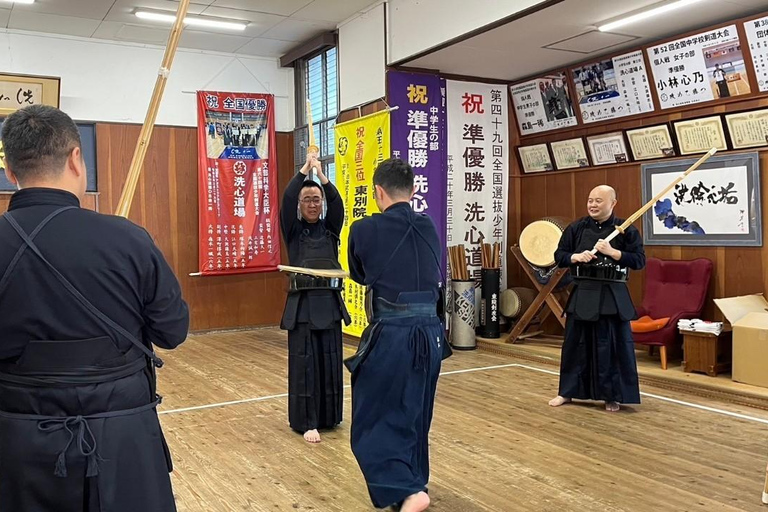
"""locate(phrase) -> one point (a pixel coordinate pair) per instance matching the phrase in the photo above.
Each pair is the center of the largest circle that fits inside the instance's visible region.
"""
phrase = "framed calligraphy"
(716, 205)
(19, 91)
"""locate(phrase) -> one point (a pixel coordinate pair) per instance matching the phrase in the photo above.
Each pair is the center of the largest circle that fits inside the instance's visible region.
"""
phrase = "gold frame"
(731, 118)
(681, 126)
(650, 131)
(569, 143)
(51, 87)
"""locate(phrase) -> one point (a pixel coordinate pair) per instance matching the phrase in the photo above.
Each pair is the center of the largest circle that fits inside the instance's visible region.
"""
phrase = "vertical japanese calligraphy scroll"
(702, 67)
(478, 162)
(237, 178)
(418, 137)
(361, 144)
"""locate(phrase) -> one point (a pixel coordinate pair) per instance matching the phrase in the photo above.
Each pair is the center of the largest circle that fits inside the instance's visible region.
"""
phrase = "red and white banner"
(237, 175)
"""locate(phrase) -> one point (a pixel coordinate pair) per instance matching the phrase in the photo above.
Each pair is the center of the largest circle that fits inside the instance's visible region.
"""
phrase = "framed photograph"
(608, 148)
(535, 158)
(700, 135)
(651, 142)
(569, 154)
(612, 88)
(18, 91)
(718, 204)
(748, 129)
(699, 68)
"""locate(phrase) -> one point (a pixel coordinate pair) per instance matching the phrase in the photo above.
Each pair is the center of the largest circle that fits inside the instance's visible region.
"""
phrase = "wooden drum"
(539, 240)
(515, 301)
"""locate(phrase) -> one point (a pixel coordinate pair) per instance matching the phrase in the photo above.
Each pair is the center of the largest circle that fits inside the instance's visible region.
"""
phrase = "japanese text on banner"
(237, 178)
(361, 144)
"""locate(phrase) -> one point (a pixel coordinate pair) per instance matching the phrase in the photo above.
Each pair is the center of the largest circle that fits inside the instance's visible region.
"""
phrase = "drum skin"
(539, 240)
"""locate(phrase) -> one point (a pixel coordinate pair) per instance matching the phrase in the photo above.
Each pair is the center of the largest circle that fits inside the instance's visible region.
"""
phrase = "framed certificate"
(608, 148)
(535, 158)
(569, 154)
(651, 142)
(700, 135)
(748, 129)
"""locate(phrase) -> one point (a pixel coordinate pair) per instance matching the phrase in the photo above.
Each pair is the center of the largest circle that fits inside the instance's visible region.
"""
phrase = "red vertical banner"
(237, 183)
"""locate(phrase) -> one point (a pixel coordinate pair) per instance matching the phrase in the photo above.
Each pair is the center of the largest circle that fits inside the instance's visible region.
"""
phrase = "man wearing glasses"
(314, 308)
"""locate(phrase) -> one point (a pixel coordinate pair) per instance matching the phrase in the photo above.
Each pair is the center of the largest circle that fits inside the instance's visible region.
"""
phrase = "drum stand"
(545, 298)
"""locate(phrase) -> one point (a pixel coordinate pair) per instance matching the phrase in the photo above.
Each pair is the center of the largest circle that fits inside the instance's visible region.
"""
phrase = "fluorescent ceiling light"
(646, 14)
(196, 21)
(19, 1)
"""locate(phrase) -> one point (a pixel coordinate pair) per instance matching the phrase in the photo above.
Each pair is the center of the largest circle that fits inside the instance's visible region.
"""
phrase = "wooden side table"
(707, 352)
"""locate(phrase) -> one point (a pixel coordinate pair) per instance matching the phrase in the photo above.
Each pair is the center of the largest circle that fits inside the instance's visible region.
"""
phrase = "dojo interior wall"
(165, 204)
(737, 270)
(112, 81)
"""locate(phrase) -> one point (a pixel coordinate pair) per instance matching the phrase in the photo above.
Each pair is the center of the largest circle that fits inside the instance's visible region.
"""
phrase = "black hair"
(395, 176)
(37, 141)
(312, 184)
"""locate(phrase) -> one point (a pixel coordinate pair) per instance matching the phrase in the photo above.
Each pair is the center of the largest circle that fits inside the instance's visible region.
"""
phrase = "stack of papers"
(698, 325)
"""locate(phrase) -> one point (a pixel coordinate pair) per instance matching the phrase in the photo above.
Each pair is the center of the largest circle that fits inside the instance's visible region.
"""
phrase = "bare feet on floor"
(558, 401)
(312, 436)
(612, 406)
(415, 502)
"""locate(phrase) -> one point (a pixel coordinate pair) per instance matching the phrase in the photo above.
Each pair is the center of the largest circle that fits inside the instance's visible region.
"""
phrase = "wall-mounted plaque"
(700, 135)
(569, 154)
(651, 142)
(608, 148)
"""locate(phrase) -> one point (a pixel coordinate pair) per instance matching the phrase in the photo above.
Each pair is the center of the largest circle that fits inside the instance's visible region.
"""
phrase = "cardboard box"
(748, 316)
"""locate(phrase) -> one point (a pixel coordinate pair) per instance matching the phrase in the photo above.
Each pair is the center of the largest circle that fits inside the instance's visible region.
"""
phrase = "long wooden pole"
(129, 190)
(632, 218)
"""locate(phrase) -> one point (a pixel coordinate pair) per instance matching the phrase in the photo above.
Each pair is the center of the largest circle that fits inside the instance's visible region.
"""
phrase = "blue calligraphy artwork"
(663, 211)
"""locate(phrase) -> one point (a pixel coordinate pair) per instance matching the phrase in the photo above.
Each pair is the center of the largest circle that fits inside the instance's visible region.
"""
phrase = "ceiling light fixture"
(191, 20)
(19, 1)
(634, 18)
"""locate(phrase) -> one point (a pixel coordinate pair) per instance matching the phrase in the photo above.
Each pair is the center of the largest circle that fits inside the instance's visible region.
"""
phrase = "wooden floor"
(495, 443)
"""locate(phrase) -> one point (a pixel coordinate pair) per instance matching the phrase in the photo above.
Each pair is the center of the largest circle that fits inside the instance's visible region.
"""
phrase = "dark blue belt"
(383, 309)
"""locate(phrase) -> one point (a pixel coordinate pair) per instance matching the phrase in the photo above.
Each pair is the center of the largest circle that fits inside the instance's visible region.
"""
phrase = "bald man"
(598, 357)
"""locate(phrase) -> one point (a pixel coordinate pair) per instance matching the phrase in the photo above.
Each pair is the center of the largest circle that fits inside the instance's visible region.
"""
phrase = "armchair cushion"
(673, 290)
(648, 324)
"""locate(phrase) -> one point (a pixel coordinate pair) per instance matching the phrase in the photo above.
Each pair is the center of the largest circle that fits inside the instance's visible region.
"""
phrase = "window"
(317, 79)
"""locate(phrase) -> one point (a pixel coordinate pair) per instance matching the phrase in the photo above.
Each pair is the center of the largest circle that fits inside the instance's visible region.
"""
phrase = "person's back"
(84, 296)
(421, 247)
(104, 257)
(394, 373)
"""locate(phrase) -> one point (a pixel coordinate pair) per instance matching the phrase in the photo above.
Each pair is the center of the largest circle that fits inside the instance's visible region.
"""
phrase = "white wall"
(113, 81)
(415, 26)
(362, 58)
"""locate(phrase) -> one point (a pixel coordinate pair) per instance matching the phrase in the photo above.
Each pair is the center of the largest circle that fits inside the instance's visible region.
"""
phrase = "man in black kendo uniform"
(314, 308)
(83, 296)
(598, 355)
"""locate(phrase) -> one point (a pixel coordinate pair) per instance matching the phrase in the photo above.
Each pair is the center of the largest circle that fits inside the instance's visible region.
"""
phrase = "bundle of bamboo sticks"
(491, 255)
(458, 262)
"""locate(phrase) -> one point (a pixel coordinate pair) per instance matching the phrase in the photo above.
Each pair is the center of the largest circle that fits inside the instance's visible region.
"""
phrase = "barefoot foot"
(415, 502)
(312, 436)
(558, 401)
(612, 406)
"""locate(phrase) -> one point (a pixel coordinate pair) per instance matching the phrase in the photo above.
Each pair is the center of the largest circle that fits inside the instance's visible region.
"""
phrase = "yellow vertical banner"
(361, 144)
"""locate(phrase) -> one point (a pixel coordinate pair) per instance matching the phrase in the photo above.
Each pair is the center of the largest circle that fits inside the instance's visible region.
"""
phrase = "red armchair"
(674, 290)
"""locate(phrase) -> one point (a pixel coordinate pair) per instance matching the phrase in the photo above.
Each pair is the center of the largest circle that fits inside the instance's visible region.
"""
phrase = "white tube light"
(200, 22)
(645, 15)
(19, 1)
